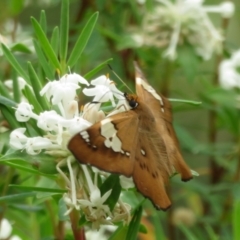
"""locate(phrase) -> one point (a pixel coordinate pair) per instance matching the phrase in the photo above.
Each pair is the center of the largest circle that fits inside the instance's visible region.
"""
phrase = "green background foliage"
(98, 34)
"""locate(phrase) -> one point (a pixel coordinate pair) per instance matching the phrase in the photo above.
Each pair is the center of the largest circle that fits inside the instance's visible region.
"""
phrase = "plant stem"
(78, 233)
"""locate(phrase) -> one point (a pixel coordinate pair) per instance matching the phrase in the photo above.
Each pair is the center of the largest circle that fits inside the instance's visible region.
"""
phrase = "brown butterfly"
(140, 143)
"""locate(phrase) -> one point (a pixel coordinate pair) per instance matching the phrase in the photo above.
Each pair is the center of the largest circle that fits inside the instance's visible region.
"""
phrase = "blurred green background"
(207, 207)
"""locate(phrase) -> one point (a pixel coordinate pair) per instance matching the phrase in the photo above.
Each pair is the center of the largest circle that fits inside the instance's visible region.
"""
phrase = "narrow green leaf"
(159, 232)
(27, 92)
(16, 89)
(236, 220)
(185, 101)
(38, 189)
(8, 114)
(12, 60)
(186, 231)
(111, 183)
(4, 91)
(43, 21)
(7, 102)
(43, 61)
(82, 40)
(134, 224)
(64, 25)
(46, 46)
(120, 233)
(37, 86)
(26, 169)
(14, 197)
(62, 208)
(20, 47)
(55, 40)
(90, 74)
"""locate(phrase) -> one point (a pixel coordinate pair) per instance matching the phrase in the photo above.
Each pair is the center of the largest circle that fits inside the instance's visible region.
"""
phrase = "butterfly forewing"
(102, 145)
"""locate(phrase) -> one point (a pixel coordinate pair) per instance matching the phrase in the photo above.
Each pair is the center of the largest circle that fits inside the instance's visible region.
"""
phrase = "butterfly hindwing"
(102, 145)
(161, 109)
(151, 176)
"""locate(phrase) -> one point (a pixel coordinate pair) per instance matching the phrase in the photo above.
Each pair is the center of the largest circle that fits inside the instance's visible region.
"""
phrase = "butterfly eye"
(133, 103)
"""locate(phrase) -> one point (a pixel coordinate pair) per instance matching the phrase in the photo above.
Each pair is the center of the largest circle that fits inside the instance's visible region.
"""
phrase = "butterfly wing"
(161, 109)
(101, 144)
(152, 176)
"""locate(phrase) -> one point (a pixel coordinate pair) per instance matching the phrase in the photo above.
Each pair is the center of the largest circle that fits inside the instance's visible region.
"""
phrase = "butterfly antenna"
(119, 78)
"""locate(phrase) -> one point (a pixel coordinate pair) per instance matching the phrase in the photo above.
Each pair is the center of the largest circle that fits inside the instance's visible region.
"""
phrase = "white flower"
(49, 121)
(126, 183)
(32, 145)
(104, 90)
(18, 139)
(5, 229)
(226, 9)
(24, 112)
(76, 125)
(35, 145)
(172, 23)
(57, 91)
(229, 75)
(92, 112)
(73, 78)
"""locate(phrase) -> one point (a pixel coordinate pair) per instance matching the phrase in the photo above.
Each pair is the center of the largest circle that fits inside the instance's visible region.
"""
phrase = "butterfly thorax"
(138, 106)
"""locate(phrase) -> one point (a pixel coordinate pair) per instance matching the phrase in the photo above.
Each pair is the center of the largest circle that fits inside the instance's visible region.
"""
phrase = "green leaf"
(20, 47)
(49, 72)
(4, 91)
(159, 232)
(37, 86)
(12, 60)
(186, 231)
(27, 92)
(7, 102)
(46, 46)
(111, 183)
(43, 21)
(64, 25)
(62, 208)
(19, 196)
(8, 114)
(236, 220)
(196, 103)
(120, 233)
(134, 224)
(82, 40)
(55, 40)
(38, 189)
(90, 74)
(189, 61)
(26, 169)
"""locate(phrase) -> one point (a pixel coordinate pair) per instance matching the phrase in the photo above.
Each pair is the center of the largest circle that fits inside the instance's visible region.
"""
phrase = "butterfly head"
(132, 100)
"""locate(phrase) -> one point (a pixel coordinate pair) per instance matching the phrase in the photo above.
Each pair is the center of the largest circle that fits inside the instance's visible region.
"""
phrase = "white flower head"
(229, 75)
(57, 127)
(173, 22)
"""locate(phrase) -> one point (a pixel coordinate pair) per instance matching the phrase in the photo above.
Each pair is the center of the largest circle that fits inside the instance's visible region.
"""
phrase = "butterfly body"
(140, 143)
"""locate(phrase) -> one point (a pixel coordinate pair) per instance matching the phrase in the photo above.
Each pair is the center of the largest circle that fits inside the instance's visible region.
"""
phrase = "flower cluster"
(59, 124)
(172, 23)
